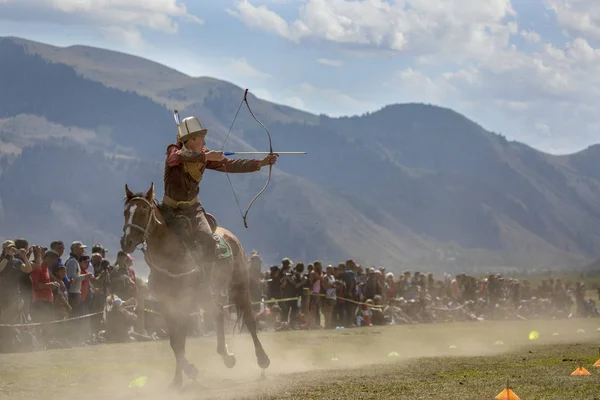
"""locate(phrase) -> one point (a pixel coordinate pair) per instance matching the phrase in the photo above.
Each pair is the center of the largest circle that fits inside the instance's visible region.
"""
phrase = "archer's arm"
(177, 155)
(234, 166)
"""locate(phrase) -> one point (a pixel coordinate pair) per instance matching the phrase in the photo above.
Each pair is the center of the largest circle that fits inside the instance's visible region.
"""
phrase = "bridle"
(151, 218)
(146, 232)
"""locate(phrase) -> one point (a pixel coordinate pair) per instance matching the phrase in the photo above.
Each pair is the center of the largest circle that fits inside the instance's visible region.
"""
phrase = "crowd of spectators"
(86, 292)
(348, 295)
(43, 285)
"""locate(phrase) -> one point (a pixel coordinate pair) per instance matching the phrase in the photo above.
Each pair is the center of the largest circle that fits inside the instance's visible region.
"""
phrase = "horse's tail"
(240, 285)
(241, 288)
(239, 299)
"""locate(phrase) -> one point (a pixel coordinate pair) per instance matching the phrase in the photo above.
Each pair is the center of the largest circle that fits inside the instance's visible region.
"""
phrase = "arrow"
(232, 153)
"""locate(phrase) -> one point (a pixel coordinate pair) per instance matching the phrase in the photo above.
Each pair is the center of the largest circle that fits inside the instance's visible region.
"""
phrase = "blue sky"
(529, 69)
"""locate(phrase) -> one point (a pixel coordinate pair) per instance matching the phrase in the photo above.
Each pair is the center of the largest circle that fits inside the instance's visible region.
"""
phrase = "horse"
(180, 283)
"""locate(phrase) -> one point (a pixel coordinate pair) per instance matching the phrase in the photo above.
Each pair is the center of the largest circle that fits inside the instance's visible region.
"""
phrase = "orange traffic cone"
(507, 393)
(580, 371)
(597, 363)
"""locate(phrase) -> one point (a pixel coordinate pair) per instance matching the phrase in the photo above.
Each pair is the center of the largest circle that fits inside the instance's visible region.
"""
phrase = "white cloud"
(263, 94)
(241, 68)
(531, 36)
(420, 87)
(260, 17)
(329, 62)
(552, 94)
(468, 28)
(117, 19)
(295, 102)
(580, 16)
(129, 37)
(337, 102)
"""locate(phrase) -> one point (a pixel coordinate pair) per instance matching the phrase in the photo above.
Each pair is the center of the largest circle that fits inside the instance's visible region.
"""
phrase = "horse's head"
(139, 218)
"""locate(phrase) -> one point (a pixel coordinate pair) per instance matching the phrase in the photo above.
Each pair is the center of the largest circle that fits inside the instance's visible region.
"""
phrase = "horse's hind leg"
(222, 350)
(245, 304)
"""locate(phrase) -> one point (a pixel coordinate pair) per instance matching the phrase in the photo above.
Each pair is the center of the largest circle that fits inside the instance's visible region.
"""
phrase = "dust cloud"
(104, 371)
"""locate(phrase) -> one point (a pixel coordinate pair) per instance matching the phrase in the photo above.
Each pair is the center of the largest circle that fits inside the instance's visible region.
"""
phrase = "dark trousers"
(201, 229)
(74, 302)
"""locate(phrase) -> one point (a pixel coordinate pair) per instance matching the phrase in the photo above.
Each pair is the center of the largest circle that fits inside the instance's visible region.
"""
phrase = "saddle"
(175, 220)
(182, 225)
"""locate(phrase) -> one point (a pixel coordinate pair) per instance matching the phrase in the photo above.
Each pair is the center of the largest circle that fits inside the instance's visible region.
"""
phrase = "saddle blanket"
(223, 250)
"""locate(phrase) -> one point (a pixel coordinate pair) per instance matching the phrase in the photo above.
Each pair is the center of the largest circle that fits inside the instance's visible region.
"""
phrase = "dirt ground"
(437, 361)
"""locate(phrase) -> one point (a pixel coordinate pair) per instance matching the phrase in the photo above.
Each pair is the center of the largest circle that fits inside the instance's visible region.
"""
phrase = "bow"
(245, 214)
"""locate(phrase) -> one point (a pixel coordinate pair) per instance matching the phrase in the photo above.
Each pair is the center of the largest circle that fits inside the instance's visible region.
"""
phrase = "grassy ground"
(445, 361)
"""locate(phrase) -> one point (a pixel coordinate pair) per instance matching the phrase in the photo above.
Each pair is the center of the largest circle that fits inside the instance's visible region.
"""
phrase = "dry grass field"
(438, 361)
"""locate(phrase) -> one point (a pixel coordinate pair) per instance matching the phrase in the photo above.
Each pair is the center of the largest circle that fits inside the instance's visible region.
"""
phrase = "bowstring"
(244, 215)
(226, 173)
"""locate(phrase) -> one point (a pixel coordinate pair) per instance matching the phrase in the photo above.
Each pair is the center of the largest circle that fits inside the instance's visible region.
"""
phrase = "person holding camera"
(123, 283)
(13, 264)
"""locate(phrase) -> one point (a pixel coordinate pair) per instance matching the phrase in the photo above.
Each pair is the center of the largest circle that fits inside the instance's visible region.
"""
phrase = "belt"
(179, 204)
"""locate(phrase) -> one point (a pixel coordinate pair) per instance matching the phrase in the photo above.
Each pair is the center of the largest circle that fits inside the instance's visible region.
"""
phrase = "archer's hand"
(271, 159)
(214, 155)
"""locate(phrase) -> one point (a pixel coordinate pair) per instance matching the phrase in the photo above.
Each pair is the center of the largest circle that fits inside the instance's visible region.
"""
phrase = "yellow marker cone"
(555, 334)
(453, 347)
(393, 354)
(499, 343)
(580, 371)
(138, 382)
(534, 335)
(507, 394)
(580, 331)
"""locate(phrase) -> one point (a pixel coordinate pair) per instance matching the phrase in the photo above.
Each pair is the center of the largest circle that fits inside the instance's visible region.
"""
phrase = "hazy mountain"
(407, 186)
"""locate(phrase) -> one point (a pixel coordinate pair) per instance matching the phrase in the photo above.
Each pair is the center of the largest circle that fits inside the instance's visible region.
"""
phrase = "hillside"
(407, 186)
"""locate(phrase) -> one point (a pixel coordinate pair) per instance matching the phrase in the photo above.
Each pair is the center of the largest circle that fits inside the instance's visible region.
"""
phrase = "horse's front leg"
(177, 347)
(178, 327)
(222, 350)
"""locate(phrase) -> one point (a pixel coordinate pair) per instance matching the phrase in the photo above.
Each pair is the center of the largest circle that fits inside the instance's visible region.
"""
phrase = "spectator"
(75, 276)
(274, 283)
(256, 291)
(62, 308)
(122, 277)
(316, 277)
(96, 261)
(99, 249)
(288, 290)
(25, 287)
(59, 248)
(13, 263)
(330, 296)
(42, 285)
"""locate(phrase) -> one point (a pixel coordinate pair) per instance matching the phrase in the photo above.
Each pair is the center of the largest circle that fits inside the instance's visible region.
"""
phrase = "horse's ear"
(128, 193)
(150, 193)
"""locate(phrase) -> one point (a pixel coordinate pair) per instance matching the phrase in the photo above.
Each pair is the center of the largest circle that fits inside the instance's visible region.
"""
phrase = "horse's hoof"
(229, 360)
(263, 361)
(176, 384)
(191, 371)
(263, 377)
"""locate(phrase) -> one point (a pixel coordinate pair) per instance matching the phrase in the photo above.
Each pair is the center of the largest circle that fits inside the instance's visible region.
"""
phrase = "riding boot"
(209, 249)
(204, 248)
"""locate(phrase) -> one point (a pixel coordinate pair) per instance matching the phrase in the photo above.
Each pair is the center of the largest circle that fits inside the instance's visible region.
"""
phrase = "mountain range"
(410, 186)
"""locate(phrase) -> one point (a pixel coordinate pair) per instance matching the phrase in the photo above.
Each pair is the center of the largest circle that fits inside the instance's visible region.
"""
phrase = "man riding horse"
(185, 164)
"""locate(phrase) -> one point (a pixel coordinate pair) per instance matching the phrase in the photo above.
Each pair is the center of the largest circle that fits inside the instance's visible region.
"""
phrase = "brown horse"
(181, 285)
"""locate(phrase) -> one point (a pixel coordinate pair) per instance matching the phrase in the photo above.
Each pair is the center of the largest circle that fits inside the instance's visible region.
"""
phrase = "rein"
(146, 232)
